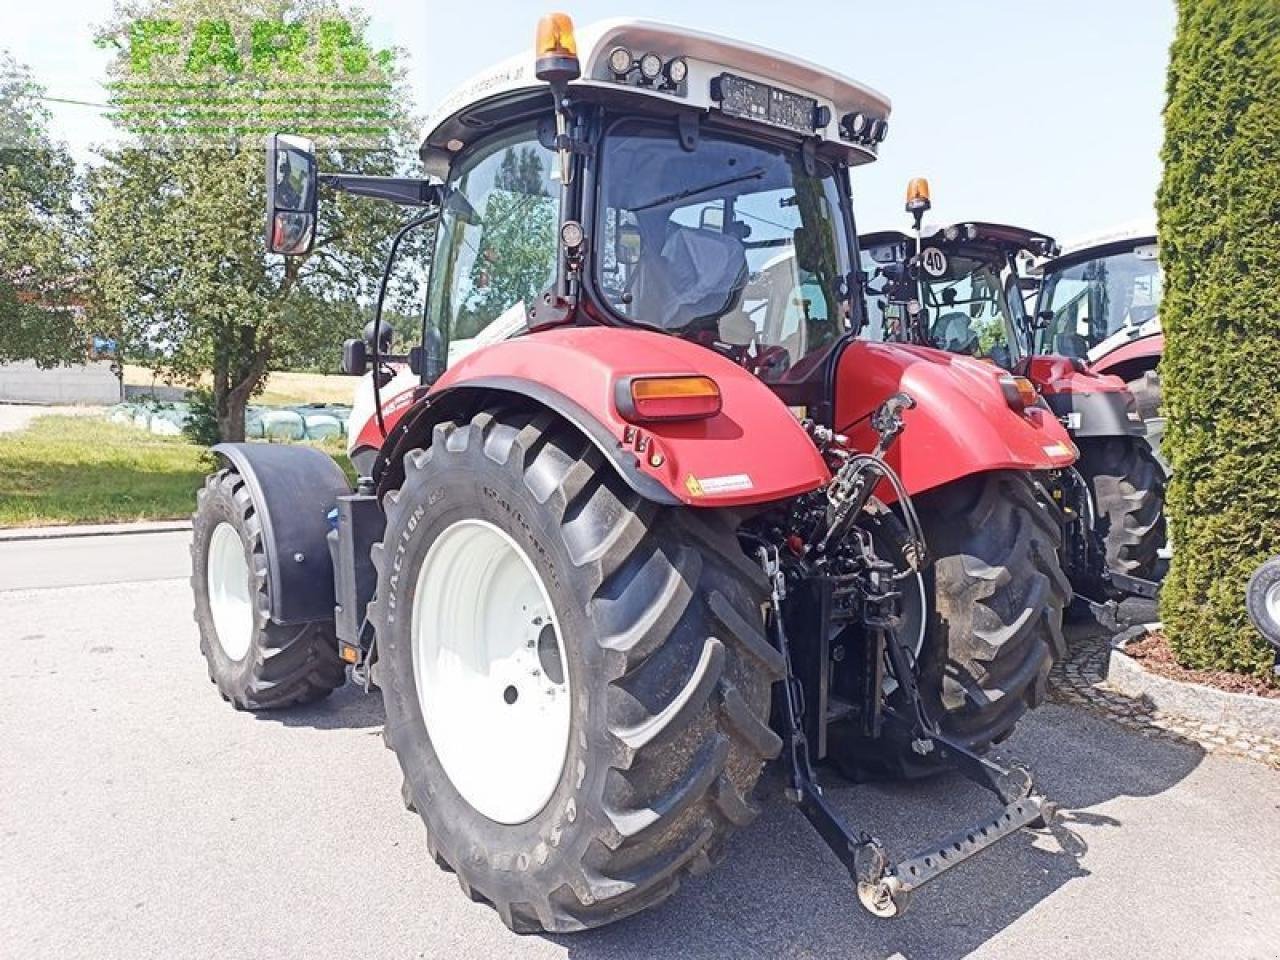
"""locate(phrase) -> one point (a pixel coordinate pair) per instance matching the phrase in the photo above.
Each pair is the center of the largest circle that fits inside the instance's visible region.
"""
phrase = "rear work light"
(667, 398)
(1019, 392)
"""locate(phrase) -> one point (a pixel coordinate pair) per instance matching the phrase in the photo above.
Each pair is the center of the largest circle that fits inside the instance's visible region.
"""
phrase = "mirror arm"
(406, 191)
(377, 313)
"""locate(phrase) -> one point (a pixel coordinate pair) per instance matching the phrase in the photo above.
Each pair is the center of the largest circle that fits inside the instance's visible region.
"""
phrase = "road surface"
(142, 817)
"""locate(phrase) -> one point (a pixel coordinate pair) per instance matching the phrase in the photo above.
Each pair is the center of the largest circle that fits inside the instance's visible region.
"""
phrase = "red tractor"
(645, 514)
(958, 289)
(1098, 303)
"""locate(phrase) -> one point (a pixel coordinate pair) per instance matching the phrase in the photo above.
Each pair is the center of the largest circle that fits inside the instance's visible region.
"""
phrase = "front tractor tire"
(992, 606)
(577, 681)
(256, 664)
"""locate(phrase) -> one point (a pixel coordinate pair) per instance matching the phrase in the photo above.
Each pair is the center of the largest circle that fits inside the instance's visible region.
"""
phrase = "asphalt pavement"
(69, 561)
(140, 816)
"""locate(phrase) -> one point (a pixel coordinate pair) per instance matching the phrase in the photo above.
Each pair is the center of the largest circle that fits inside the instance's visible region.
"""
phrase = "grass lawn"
(282, 389)
(86, 470)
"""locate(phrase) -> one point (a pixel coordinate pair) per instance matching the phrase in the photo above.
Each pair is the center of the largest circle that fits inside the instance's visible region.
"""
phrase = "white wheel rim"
(1271, 602)
(492, 677)
(230, 600)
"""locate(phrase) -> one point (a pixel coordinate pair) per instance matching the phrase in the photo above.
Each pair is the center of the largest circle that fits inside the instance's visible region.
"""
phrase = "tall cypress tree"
(1219, 209)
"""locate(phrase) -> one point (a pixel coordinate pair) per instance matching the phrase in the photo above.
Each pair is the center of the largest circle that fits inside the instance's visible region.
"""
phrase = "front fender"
(753, 451)
(293, 488)
(961, 424)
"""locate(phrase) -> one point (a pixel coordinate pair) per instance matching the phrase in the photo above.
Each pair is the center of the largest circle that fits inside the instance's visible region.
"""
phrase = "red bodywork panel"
(961, 424)
(1054, 375)
(753, 451)
(393, 409)
(1142, 349)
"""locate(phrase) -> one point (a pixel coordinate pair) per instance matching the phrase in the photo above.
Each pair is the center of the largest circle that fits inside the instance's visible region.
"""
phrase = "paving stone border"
(1083, 678)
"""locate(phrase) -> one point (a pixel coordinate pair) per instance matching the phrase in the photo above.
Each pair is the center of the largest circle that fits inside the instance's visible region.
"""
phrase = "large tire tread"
(674, 606)
(1127, 485)
(289, 665)
(1000, 595)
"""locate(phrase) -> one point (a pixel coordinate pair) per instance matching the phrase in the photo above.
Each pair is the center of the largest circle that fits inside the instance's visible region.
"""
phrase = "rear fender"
(1132, 359)
(1091, 404)
(293, 488)
(753, 451)
(961, 424)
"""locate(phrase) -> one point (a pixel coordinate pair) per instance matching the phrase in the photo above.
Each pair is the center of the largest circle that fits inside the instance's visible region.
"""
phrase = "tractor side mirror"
(291, 194)
(355, 358)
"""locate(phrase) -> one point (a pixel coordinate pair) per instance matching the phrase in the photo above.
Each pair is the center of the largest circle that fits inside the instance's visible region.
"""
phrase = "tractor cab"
(960, 291)
(680, 182)
(1100, 296)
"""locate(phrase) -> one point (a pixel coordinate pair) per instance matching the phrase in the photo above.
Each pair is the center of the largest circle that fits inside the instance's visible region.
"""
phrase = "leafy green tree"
(40, 315)
(177, 211)
(1220, 248)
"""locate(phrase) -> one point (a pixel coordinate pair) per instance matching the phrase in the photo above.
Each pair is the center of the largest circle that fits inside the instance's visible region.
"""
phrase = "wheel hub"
(1271, 602)
(230, 596)
(490, 671)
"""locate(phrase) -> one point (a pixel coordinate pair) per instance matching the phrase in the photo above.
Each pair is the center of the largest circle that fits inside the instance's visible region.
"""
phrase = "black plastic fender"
(1108, 414)
(293, 489)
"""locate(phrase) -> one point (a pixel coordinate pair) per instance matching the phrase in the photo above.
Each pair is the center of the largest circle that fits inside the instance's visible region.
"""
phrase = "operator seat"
(953, 332)
(697, 275)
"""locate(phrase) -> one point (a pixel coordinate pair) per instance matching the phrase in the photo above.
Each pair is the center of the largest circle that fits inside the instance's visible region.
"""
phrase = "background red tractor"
(957, 289)
(627, 488)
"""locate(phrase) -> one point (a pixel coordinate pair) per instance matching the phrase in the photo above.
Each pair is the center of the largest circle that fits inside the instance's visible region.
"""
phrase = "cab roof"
(1001, 235)
(465, 112)
(1113, 240)
(1140, 230)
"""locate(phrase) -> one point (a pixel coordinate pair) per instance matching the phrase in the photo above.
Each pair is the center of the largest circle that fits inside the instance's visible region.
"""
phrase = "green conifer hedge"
(1219, 222)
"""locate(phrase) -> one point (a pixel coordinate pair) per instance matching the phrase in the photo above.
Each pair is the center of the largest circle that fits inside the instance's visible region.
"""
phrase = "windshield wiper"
(753, 174)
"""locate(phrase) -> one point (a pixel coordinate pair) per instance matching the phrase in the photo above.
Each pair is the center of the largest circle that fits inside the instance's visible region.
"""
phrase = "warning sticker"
(730, 483)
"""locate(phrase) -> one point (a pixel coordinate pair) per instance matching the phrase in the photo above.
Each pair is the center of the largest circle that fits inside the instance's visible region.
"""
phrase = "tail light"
(667, 398)
(1019, 392)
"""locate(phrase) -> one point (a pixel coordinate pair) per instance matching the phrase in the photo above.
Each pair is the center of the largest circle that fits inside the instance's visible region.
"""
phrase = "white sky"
(1044, 114)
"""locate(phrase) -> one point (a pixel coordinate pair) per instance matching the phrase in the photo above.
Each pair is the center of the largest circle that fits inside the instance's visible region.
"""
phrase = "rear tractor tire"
(992, 612)
(577, 681)
(256, 664)
(1147, 391)
(1127, 487)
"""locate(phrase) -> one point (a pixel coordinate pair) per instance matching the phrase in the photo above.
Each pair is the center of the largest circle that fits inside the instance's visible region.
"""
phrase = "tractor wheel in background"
(1146, 390)
(1127, 486)
(256, 664)
(995, 600)
(577, 681)
(1262, 600)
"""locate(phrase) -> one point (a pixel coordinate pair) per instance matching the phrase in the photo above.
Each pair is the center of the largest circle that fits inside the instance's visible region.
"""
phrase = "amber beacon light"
(557, 49)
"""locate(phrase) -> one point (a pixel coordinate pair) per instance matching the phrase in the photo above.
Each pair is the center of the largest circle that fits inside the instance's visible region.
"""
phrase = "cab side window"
(496, 241)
